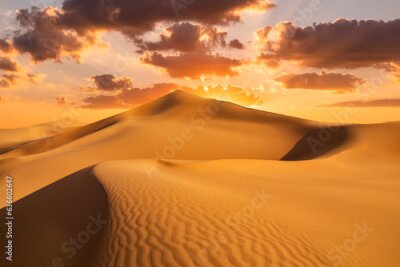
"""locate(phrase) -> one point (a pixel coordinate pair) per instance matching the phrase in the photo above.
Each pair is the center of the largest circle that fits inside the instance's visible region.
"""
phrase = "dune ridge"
(187, 181)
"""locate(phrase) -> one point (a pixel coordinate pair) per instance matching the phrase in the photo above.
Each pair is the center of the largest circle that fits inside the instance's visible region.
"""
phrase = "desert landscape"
(200, 133)
(188, 181)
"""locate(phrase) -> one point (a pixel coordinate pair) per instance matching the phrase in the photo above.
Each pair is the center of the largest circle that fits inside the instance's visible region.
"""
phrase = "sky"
(333, 61)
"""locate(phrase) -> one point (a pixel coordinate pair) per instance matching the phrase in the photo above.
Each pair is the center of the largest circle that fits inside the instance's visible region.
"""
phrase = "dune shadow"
(63, 223)
(319, 142)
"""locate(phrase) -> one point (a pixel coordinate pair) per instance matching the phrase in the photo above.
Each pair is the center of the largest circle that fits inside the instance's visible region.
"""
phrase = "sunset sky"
(334, 61)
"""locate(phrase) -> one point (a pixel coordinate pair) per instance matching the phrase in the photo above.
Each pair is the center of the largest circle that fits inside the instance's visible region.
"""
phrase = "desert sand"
(187, 181)
(10, 139)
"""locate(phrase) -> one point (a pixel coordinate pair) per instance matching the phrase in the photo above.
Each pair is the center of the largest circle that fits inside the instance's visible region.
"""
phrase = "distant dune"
(11, 139)
(187, 181)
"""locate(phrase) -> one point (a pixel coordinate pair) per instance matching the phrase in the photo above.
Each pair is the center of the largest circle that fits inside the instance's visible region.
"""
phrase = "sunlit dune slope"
(184, 116)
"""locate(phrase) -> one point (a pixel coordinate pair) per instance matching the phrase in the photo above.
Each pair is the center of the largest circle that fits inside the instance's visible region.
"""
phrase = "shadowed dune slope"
(351, 141)
(62, 223)
(319, 142)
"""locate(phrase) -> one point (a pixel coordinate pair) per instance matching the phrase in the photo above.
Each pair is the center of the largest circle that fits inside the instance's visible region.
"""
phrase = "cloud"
(268, 60)
(52, 33)
(392, 68)
(186, 37)
(235, 43)
(369, 103)
(324, 81)
(128, 97)
(43, 37)
(194, 44)
(136, 17)
(339, 44)
(193, 65)
(7, 80)
(11, 80)
(6, 46)
(8, 64)
(108, 82)
(33, 78)
(61, 100)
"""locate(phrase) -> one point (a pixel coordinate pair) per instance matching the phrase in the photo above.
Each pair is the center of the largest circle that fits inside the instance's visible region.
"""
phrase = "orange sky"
(262, 55)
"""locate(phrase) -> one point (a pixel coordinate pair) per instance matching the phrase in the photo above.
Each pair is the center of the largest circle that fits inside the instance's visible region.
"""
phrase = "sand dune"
(48, 219)
(177, 114)
(11, 139)
(175, 127)
(352, 141)
(218, 213)
(187, 181)
(248, 213)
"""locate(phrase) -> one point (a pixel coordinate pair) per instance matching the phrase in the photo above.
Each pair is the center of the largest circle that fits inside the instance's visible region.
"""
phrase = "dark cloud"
(136, 17)
(10, 80)
(340, 44)
(195, 44)
(369, 103)
(8, 64)
(7, 80)
(108, 82)
(186, 37)
(129, 97)
(392, 68)
(193, 65)
(323, 81)
(104, 102)
(33, 78)
(235, 43)
(51, 33)
(6, 46)
(43, 37)
(61, 100)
